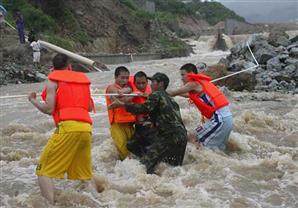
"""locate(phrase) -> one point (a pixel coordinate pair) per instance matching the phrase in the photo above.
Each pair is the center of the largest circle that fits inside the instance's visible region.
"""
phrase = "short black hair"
(139, 74)
(120, 69)
(60, 61)
(189, 68)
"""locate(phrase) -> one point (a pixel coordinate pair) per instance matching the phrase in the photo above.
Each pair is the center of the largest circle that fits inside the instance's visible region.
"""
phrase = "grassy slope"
(59, 26)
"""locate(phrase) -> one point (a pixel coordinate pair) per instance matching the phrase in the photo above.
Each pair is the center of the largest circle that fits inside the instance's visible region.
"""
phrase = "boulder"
(294, 52)
(274, 64)
(282, 57)
(39, 77)
(278, 37)
(263, 55)
(239, 48)
(292, 61)
(240, 82)
(292, 46)
(294, 39)
(291, 69)
(236, 65)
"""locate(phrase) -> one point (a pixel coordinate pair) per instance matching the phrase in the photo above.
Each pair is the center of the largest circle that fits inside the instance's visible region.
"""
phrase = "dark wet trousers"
(168, 148)
(143, 137)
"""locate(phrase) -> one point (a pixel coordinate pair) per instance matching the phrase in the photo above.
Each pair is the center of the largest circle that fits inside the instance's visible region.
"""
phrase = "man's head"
(140, 81)
(186, 69)
(160, 81)
(60, 62)
(121, 76)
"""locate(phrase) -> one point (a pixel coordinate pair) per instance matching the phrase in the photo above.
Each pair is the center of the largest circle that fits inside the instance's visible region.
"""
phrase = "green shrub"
(70, 21)
(82, 37)
(144, 14)
(33, 17)
(165, 17)
(171, 44)
(61, 42)
(130, 4)
(55, 8)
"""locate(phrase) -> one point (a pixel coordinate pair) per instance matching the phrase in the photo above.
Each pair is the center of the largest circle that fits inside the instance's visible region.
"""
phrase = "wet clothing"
(121, 128)
(121, 133)
(71, 105)
(214, 105)
(68, 151)
(118, 115)
(144, 130)
(215, 133)
(143, 137)
(69, 148)
(169, 143)
(218, 99)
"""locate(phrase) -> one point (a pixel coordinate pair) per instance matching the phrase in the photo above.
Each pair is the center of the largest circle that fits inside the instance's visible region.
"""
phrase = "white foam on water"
(260, 168)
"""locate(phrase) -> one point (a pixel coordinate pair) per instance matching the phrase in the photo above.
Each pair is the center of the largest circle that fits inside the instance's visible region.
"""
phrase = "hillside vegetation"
(114, 26)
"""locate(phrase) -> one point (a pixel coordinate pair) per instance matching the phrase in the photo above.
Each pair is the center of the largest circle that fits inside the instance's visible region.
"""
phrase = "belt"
(35, 51)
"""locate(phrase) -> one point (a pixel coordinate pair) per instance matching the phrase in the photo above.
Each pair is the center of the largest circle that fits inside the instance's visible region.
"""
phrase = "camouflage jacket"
(163, 111)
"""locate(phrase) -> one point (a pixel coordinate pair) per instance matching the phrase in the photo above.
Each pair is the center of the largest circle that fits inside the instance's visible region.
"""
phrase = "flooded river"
(259, 170)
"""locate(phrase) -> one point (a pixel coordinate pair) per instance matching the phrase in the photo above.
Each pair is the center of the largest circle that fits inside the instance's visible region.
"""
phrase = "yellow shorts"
(68, 151)
(121, 133)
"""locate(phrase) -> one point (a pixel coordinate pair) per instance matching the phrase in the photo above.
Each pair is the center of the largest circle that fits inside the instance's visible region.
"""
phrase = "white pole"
(115, 94)
(13, 96)
(58, 49)
(72, 55)
(95, 94)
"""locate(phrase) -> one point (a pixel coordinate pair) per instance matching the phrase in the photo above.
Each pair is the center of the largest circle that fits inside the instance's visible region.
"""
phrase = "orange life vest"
(138, 99)
(208, 88)
(119, 115)
(73, 96)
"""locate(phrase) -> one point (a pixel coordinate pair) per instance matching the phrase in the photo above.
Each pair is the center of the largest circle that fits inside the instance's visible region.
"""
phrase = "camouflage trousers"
(143, 137)
(165, 148)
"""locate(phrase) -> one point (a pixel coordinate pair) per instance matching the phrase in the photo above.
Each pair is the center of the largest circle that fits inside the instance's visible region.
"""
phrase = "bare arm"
(113, 89)
(185, 95)
(182, 91)
(48, 106)
(125, 90)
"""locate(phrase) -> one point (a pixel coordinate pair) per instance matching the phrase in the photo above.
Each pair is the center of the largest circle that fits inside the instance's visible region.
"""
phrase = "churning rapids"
(259, 170)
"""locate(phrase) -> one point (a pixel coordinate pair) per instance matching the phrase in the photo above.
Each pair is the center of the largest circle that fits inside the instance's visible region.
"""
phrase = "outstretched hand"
(32, 96)
(116, 104)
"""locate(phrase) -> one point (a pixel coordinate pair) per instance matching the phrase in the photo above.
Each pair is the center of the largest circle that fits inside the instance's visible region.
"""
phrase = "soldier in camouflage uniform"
(170, 142)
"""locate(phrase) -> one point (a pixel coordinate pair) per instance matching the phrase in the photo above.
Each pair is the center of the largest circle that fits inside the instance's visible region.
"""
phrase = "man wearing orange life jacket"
(170, 142)
(145, 131)
(121, 121)
(212, 104)
(68, 100)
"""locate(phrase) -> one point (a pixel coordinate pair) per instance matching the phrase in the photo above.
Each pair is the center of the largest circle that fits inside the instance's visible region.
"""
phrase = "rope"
(250, 68)
(115, 94)
(104, 94)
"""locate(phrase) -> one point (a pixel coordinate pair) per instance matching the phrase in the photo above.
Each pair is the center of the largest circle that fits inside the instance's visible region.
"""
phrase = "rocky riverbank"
(278, 59)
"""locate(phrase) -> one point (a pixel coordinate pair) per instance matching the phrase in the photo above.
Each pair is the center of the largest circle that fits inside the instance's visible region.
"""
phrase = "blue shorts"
(215, 132)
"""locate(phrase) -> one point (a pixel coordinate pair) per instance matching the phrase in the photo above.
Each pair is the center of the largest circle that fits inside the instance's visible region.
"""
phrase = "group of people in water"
(144, 119)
